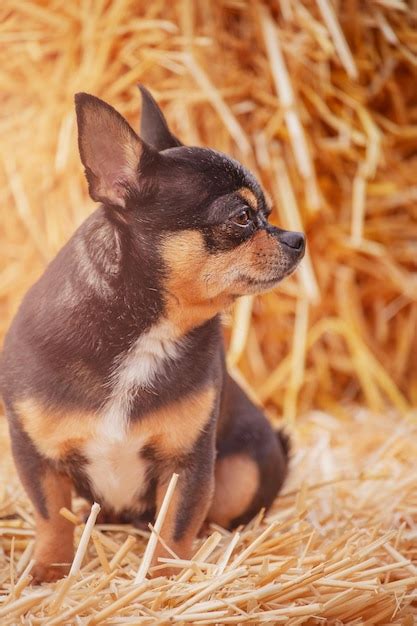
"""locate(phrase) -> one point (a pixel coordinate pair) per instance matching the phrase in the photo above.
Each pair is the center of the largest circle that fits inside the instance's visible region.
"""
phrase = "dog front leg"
(49, 491)
(54, 534)
(190, 503)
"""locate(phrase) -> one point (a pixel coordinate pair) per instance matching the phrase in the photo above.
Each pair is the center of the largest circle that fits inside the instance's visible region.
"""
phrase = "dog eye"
(243, 218)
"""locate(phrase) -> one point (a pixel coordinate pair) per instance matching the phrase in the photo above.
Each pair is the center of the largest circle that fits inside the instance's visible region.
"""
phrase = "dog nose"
(296, 241)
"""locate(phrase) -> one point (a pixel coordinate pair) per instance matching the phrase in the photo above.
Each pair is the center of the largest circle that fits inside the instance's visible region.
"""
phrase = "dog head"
(205, 214)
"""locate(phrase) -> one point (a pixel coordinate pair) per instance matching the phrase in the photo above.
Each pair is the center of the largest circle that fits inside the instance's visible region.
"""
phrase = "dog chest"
(116, 470)
(140, 367)
(110, 441)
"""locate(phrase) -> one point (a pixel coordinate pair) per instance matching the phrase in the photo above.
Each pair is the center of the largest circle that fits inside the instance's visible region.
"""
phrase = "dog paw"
(46, 573)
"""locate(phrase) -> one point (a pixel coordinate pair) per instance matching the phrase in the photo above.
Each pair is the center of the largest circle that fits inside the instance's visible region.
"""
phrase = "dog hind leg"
(251, 464)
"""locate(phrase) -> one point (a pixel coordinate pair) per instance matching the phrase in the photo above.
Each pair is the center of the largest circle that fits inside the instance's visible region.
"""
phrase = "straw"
(333, 151)
(318, 99)
(153, 539)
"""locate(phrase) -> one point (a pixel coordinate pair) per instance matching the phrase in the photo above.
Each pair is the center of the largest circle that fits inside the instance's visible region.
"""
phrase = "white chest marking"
(115, 468)
(139, 367)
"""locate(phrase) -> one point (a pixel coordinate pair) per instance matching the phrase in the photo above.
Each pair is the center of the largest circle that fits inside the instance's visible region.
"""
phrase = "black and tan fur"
(113, 372)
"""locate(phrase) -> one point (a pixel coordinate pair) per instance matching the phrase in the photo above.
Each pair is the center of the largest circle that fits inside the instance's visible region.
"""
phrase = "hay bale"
(320, 103)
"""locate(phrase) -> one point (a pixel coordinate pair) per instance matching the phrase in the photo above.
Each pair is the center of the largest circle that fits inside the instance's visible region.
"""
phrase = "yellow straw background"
(318, 98)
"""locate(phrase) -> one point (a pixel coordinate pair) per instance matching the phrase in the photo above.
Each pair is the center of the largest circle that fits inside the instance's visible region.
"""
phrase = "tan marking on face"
(249, 197)
(237, 480)
(54, 434)
(173, 429)
(54, 535)
(190, 301)
(263, 244)
(202, 284)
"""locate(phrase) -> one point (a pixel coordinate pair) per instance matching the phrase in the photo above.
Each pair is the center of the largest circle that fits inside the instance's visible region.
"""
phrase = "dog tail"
(284, 441)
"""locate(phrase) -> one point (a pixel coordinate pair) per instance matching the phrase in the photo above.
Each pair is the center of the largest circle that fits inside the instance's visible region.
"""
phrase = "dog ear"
(110, 150)
(153, 127)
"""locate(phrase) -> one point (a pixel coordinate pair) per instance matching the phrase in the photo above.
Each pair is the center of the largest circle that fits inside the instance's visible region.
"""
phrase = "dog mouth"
(251, 285)
(260, 282)
(263, 283)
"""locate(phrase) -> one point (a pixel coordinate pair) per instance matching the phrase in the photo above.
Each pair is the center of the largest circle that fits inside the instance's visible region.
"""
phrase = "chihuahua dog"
(113, 371)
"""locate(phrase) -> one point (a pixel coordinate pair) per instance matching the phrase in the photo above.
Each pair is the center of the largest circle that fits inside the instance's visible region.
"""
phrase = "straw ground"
(318, 98)
(339, 546)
